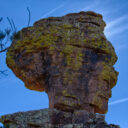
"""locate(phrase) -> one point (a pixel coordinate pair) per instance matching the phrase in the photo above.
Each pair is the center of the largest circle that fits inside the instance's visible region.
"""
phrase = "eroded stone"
(69, 58)
(49, 118)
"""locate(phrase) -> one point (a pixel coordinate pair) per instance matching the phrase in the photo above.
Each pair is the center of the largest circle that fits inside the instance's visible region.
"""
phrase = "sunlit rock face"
(69, 58)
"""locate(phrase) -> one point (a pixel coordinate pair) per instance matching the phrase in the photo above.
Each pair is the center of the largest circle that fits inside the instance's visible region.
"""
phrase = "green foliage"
(10, 34)
(4, 38)
(15, 35)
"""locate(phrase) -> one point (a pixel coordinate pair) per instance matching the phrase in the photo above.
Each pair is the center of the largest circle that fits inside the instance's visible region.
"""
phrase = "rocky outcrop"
(52, 118)
(70, 59)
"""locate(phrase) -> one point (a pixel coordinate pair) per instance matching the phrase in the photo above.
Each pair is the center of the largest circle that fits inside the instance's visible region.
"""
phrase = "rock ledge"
(52, 118)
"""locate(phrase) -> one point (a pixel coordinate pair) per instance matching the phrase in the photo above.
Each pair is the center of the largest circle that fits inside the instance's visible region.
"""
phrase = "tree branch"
(4, 50)
(3, 72)
(29, 16)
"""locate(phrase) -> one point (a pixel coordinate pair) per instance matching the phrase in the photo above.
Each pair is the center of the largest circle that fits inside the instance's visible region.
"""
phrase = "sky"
(14, 97)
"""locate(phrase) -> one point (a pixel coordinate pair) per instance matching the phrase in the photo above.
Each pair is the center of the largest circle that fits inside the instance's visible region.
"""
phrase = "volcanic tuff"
(71, 60)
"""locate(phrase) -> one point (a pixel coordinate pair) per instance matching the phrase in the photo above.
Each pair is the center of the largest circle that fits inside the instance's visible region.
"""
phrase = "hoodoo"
(71, 60)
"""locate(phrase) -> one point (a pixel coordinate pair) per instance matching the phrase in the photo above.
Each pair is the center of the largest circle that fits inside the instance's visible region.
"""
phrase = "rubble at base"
(52, 118)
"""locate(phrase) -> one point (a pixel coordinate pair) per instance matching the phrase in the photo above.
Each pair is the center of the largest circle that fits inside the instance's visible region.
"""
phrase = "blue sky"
(15, 97)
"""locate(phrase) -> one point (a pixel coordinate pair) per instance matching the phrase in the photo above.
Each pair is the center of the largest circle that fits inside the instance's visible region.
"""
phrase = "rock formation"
(52, 118)
(71, 60)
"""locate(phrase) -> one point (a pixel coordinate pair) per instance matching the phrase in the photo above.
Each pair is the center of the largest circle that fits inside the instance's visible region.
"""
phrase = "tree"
(5, 36)
(8, 34)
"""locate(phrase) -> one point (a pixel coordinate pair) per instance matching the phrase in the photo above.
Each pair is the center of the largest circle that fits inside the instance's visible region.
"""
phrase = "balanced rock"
(69, 58)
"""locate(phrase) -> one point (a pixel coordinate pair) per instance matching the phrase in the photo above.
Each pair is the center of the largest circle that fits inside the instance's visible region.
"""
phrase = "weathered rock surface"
(52, 118)
(71, 60)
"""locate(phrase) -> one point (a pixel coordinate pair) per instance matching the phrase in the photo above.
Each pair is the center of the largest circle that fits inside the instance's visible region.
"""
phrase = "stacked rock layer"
(52, 118)
(69, 58)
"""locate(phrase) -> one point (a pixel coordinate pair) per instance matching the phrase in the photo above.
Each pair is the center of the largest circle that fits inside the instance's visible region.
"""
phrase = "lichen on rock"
(69, 58)
(69, 53)
(52, 118)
